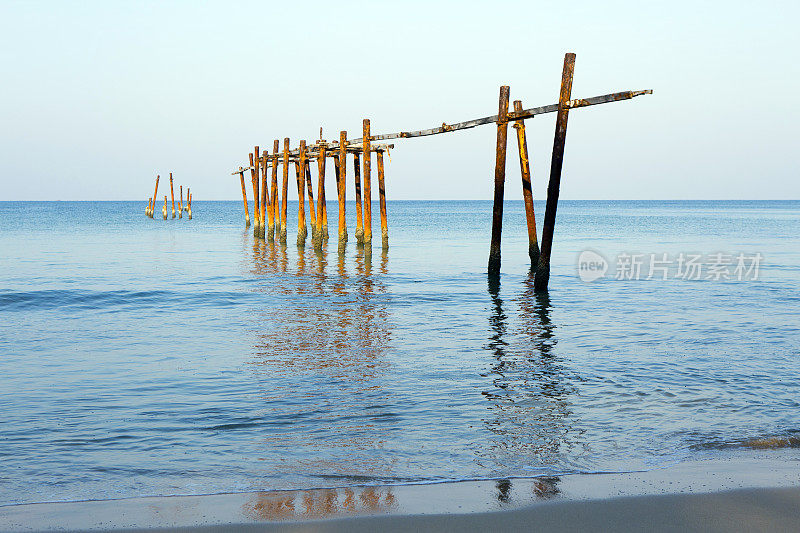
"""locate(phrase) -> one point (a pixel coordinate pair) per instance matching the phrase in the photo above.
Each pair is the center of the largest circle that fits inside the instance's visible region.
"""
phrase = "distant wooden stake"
(276, 146)
(266, 210)
(244, 199)
(180, 209)
(155, 196)
(542, 276)
(149, 205)
(367, 184)
(341, 174)
(359, 219)
(164, 209)
(382, 199)
(285, 189)
(172, 194)
(499, 181)
(302, 231)
(189, 200)
(188, 193)
(527, 193)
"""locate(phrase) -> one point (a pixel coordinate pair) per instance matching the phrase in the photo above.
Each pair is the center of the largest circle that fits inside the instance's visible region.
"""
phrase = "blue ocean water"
(151, 357)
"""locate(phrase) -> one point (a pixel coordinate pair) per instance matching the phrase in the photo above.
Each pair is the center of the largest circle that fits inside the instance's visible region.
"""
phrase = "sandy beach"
(738, 493)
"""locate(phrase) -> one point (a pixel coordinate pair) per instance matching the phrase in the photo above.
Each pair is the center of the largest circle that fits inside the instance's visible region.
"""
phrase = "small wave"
(758, 443)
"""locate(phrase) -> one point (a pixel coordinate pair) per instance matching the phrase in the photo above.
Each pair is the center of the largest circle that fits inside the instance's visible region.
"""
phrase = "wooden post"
(254, 169)
(527, 193)
(341, 175)
(188, 192)
(542, 276)
(266, 209)
(164, 209)
(244, 199)
(321, 154)
(382, 199)
(181, 202)
(180, 209)
(172, 194)
(359, 219)
(367, 184)
(312, 211)
(254, 184)
(149, 205)
(189, 200)
(276, 145)
(499, 181)
(285, 190)
(302, 231)
(155, 196)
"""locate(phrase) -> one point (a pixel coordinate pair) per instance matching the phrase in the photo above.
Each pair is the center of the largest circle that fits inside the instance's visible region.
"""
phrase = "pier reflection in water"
(321, 357)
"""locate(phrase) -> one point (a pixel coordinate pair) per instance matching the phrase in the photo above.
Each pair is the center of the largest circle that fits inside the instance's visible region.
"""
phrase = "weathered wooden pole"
(321, 155)
(312, 211)
(254, 171)
(266, 210)
(180, 209)
(172, 194)
(499, 181)
(527, 193)
(149, 205)
(244, 199)
(276, 146)
(367, 184)
(359, 217)
(189, 200)
(155, 196)
(181, 202)
(302, 231)
(341, 177)
(542, 276)
(382, 199)
(285, 190)
(164, 209)
(188, 192)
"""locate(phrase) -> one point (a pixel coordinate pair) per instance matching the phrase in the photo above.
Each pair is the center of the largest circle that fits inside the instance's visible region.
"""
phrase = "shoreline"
(768, 484)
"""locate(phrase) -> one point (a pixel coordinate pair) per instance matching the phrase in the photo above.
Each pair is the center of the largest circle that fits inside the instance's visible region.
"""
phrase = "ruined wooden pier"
(266, 200)
(151, 202)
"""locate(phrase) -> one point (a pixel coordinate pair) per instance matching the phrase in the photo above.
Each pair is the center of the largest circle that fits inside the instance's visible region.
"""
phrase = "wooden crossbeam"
(354, 145)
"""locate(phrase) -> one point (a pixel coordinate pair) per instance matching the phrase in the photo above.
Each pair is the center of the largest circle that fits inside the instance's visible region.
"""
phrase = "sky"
(96, 98)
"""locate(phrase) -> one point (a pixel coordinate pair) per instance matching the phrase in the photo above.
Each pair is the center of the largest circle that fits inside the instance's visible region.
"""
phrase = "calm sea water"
(151, 357)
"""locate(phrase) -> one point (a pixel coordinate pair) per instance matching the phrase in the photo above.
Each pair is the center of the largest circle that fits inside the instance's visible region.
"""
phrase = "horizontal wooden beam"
(514, 115)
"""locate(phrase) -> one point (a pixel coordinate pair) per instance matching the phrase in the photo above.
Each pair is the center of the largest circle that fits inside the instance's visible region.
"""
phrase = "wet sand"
(742, 492)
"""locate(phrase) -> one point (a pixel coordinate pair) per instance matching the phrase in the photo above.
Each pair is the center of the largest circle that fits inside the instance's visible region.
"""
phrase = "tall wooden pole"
(499, 181)
(367, 184)
(155, 195)
(341, 173)
(527, 193)
(164, 209)
(285, 189)
(172, 194)
(312, 210)
(189, 201)
(302, 231)
(149, 205)
(542, 276)
(266, 207)
(276, 146)
(254, 182)
(322, 153)
(382, 199)
(244, 199)
(188, 192)
(359, 217)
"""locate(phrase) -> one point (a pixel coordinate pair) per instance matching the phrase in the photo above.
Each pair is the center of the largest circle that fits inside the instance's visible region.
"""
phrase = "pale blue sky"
(98, 97)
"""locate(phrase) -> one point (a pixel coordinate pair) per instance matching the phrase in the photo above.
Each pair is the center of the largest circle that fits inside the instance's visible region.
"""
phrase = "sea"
(151, 357)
